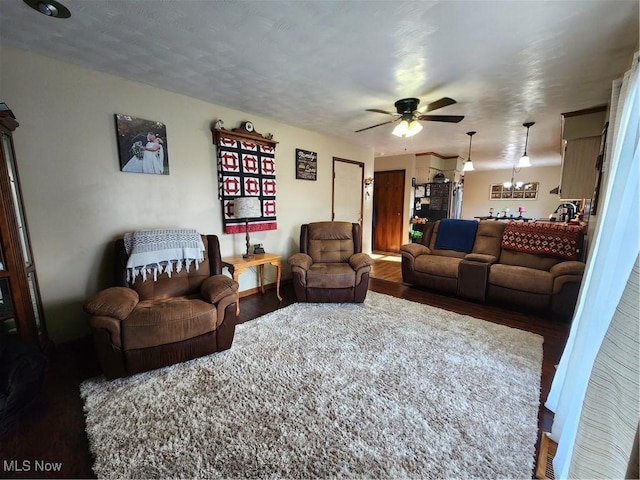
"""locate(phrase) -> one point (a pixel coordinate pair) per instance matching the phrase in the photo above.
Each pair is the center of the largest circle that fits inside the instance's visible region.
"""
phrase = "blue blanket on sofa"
(458, 235)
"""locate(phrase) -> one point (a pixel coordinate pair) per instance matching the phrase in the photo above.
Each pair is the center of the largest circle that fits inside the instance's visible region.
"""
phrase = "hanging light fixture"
(524, 160)
(468, 165)
(522, 163)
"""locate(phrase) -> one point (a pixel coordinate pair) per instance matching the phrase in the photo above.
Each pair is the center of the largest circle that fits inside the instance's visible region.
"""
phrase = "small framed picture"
(142, 145)
(306, 164)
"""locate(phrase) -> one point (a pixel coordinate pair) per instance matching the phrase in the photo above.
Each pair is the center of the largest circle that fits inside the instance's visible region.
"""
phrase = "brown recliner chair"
(151, 324)
(330, 266)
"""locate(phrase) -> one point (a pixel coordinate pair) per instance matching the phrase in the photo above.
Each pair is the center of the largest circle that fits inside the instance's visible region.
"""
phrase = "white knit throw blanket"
(162, 251)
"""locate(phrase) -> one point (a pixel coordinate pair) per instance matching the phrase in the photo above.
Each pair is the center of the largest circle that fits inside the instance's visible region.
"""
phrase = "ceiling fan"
(408, 112)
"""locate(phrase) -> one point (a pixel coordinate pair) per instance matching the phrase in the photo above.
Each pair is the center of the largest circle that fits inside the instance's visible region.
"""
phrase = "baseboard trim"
(268, 286)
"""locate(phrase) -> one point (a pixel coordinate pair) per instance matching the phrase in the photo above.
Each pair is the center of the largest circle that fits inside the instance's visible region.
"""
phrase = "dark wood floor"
(54, 430)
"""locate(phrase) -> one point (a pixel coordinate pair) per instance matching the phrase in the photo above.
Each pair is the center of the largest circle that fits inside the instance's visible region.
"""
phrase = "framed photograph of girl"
(142, 145)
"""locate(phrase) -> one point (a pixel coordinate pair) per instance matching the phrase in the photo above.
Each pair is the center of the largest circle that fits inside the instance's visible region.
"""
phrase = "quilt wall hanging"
(246, 167)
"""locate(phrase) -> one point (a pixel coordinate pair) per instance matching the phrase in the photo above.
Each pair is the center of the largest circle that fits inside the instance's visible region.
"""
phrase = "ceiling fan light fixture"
(401, 129)
(414, 127)
(407, 128)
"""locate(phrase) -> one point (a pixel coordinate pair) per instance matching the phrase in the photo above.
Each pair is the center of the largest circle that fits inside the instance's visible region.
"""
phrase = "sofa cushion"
(521, 278)
(455, 234)
(331, 275)
(539, 262)
(159, 322)
(488, 238)
(330, 241)
(185, 282)
(437, 265)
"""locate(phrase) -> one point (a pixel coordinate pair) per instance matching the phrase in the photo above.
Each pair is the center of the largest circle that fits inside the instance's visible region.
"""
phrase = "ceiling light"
(407, 128)
(522, 163)
(468, 165)
(401, 129)
(524, 160)
(50, 8)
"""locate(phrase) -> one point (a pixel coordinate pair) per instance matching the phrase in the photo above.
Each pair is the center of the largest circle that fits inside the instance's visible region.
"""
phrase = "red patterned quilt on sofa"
(554, 239)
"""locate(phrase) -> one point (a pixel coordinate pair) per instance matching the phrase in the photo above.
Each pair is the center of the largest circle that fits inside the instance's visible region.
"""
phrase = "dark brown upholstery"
(439, 269)
(151, 324)
(491, 272)
(330, 266)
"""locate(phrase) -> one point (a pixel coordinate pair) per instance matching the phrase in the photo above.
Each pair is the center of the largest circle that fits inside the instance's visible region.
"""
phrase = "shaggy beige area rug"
(384, 389)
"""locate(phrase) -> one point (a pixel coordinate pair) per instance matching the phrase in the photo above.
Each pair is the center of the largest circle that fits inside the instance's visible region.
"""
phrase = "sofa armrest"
(216, 287)
(300, 260)
(115, 302)
(415, 249)
(360, 260)
(481, 258)
(567, 268)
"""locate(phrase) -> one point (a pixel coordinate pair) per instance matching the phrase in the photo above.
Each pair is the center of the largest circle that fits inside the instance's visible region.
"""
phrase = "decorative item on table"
(491, 212)
(521, 211)
(258, 248)
(246, 208)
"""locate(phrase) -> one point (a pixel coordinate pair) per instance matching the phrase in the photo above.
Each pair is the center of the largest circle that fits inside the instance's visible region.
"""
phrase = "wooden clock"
(246, 131)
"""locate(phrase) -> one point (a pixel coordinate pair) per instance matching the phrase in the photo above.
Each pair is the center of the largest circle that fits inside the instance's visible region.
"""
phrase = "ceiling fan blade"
(377, 110)
(441, 118)
(443, 102)
(374, 126)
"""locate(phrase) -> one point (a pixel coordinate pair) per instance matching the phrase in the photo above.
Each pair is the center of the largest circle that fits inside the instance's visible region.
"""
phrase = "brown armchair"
(330, 266)
(151, 324)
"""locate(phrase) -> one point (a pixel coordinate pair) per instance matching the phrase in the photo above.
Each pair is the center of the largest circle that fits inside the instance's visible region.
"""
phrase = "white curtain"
(615, 246)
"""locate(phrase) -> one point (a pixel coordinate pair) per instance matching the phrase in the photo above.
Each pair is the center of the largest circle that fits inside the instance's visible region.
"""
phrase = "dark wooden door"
(388, 209)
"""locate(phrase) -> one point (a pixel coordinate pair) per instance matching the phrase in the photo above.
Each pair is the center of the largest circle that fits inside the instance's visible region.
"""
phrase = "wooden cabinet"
(20, 305)
(579, 172)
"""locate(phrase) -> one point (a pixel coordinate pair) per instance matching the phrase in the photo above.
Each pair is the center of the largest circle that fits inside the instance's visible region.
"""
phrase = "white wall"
(476, 202)
(77, 199)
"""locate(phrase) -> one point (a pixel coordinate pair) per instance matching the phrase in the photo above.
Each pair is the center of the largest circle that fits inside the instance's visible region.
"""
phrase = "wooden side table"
(238, 264)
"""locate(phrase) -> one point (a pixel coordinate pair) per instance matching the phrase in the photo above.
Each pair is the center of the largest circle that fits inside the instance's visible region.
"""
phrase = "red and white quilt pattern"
(554, 239)
(247, 169)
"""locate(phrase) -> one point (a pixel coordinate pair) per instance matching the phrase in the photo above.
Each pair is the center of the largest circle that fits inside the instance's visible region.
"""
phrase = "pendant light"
(524, 160)
(468, 165)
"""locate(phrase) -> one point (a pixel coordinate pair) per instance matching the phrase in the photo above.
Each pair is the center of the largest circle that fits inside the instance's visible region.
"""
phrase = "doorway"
(348, 184)
(388, 210)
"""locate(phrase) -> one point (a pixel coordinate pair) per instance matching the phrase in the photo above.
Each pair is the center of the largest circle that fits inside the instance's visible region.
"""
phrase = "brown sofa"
(530, 265)
(151, 324)
(330, 266)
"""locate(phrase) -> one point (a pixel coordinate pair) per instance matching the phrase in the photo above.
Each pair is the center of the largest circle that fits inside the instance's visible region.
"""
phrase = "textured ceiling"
(319, 64)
